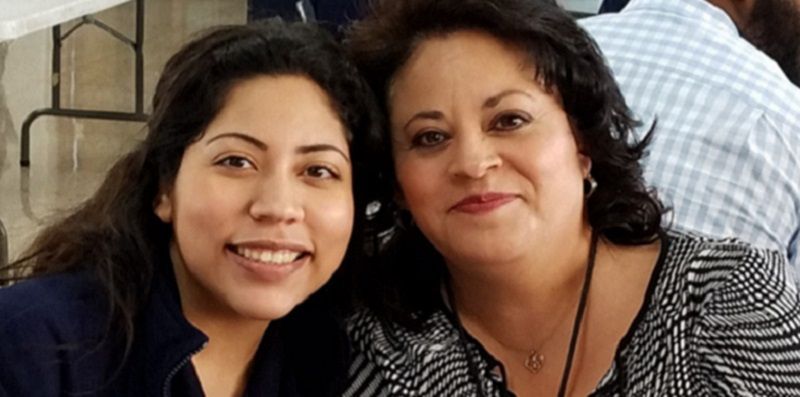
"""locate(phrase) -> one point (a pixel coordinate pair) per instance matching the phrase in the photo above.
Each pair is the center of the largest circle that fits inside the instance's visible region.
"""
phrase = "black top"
(54, 342)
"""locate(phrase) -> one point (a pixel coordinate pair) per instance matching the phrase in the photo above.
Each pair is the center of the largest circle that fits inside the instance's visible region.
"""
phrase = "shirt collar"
(168, 339)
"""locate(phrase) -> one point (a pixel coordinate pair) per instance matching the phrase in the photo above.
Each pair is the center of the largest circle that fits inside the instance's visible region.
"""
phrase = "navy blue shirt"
(54, 341)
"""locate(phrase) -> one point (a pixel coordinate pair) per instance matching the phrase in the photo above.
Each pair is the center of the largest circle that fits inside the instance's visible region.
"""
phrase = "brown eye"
(428, 139)
(321, 172)
(508, 122)
(235, 162)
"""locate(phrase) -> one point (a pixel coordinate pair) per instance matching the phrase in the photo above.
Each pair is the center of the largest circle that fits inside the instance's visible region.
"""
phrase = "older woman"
(529, 257)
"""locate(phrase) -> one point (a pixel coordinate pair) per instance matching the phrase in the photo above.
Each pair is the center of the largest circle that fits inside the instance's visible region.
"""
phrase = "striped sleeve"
(748, 336)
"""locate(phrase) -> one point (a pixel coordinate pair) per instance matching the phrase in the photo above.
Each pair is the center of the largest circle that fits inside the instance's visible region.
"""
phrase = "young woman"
(529, 256)
(189, 271)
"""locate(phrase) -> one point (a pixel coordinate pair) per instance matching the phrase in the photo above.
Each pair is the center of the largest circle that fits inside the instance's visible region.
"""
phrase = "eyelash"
(418, 141)
(309, 171)
(506, 116)
(227, 162)
(332, 174)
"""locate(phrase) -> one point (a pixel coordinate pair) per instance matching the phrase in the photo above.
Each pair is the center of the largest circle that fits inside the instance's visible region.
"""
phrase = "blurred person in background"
(719, 78)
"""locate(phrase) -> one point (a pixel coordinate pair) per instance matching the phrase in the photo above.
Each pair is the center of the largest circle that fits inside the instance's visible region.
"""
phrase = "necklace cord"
(576, 327)
(462, 337)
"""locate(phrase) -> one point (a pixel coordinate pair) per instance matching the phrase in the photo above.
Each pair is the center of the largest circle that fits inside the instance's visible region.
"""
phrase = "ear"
(585, 162)
(400, 199)
(163, 206)
(739, 11)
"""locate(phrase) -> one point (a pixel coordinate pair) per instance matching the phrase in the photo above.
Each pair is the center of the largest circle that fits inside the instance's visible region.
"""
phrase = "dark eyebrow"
(430, 114)
(494, 100)
(321, 147)
(247, 138)
(488, 103)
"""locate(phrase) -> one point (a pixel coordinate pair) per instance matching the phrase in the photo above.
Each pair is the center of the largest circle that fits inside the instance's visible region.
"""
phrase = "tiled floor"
(69, 157)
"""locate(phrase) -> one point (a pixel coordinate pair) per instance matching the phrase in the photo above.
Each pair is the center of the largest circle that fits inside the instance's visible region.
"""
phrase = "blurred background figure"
(717, 78)
(332, 14)
(612, 6)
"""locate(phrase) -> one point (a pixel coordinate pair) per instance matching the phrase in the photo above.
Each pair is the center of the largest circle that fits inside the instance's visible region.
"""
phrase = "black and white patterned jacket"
(719, 318)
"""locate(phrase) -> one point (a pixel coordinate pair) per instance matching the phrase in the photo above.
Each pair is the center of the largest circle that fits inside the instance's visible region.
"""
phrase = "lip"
(483, 203)
(269, 272)
(275, 245)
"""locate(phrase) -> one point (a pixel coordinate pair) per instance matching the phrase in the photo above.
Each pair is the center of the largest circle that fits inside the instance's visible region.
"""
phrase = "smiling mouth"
(483, 203)
(267, 256)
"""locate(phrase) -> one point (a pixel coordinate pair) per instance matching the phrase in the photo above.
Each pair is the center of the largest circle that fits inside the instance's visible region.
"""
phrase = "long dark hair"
(115, 234)
(567, 62)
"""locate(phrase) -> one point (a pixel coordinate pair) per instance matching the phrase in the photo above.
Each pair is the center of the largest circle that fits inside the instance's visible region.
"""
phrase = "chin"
(267, 308)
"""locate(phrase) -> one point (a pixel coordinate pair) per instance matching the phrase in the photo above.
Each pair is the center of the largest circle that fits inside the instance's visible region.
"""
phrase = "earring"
(589, 186)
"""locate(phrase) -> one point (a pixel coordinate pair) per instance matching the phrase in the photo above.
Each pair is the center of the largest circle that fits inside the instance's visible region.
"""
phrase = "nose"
(275, 199)
(475, 155)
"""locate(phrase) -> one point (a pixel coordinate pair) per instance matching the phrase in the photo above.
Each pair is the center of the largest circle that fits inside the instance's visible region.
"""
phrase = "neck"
(222, 366)
(738, 10)
(507, 301)
(233, 339)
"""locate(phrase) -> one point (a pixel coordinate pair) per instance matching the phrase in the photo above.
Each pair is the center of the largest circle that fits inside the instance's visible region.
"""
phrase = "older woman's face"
(485, 157)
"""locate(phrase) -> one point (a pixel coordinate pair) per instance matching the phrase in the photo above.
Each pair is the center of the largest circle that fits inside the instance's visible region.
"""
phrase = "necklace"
(535, 360)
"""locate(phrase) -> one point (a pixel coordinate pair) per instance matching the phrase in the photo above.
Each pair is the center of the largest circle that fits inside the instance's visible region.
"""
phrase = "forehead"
(467, 43)
(462, 63)
(275, 106)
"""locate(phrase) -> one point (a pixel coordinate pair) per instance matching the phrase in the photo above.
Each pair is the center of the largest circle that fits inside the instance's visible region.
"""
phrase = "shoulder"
(391, 359)
(56, 324)
(722, 319)
(731, 277)
(689, 46)
(749, 319)
(51, 300)
(376, 337)
(686, 245)
(313, 331)
(693, 252)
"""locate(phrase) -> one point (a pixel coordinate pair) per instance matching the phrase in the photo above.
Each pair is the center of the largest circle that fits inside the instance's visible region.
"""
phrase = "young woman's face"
(262, 206)
(485, 157)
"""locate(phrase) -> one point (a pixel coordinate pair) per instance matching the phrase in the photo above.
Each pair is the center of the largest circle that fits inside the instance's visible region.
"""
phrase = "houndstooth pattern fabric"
(719, 319)
(726, 148)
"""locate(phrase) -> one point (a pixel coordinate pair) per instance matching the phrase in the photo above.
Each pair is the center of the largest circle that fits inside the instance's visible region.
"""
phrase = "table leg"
(57, 110)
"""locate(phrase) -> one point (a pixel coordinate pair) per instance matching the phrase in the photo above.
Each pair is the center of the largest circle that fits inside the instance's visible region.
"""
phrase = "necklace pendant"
(534, 362)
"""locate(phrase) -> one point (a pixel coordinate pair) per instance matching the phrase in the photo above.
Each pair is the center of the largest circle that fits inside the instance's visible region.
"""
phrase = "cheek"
(560, 157)
(417, 181)
(205, 212)
(331, 220)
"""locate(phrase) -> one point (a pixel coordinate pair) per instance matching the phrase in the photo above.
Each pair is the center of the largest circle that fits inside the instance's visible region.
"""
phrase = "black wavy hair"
(115, 234)
(567, 62)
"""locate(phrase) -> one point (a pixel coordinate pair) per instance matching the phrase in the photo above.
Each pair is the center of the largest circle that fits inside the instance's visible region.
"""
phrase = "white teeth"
(267, 256)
